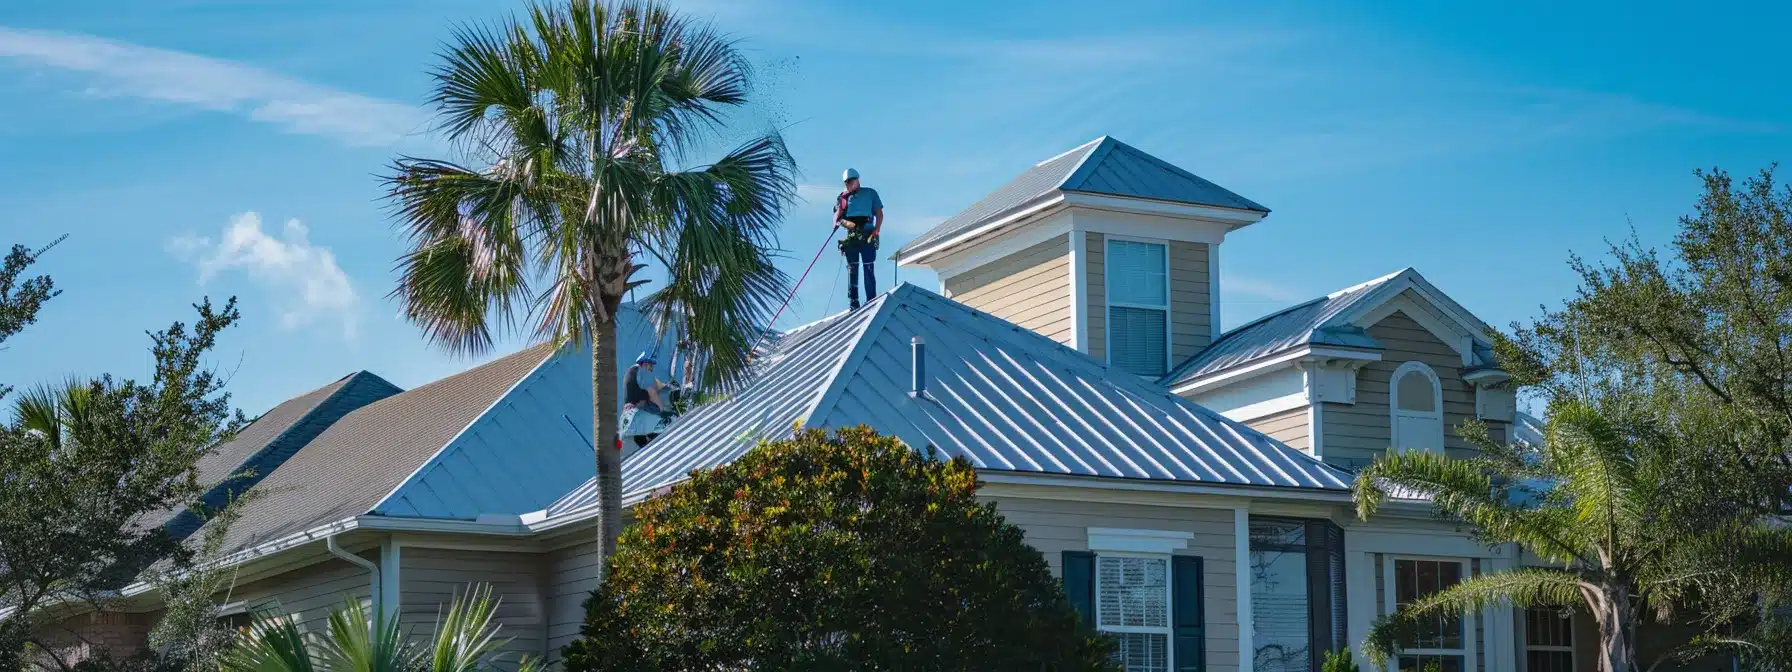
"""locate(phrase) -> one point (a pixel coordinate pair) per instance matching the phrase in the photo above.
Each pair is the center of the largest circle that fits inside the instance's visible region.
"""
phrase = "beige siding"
(1191, 305)
(430, 578)
(310, 593)
(1289, 427)
(1056, 526)
(1096, 270)
(1030, 288)
(1356, 434)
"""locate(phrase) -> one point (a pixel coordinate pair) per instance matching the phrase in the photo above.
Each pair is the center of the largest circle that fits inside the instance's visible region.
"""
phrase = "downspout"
(373, 571)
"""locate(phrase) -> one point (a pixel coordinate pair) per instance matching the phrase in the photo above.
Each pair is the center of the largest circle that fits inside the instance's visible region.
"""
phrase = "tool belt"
(860, 235)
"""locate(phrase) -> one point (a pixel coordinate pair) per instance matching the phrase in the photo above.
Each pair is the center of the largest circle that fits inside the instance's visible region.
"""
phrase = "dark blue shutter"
(1079, 584)
(1186, 614)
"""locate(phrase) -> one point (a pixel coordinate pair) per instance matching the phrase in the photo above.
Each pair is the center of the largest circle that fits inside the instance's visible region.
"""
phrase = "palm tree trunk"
(1611, 610)
(605, 436)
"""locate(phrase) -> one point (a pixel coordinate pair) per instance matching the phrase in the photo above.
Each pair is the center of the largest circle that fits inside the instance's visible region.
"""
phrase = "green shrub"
(849, 551)
(1339, 661)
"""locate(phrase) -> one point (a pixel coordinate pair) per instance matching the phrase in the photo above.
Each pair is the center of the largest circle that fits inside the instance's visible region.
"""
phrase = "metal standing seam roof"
(1101, 166)
(1004, 397)
(1290, 328)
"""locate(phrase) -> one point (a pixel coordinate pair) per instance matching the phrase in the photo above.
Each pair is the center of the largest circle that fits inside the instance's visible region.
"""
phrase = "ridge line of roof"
(1070, 151)
(830, 393)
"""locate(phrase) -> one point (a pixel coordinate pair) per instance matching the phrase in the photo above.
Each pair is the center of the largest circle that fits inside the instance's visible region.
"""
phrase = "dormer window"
(1418, 408)
(1138, 301)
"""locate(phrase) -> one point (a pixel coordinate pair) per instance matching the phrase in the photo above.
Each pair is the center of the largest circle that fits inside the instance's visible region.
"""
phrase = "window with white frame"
(1138, 284)
(1133, 606)
(1416, 408)
(1548, 640)
(1441, 639)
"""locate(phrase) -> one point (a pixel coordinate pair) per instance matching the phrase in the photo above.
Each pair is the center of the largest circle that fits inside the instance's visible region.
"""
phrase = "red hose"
(793, 288)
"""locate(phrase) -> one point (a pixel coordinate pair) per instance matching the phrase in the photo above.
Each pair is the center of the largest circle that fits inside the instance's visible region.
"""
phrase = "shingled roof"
(255, 452)
(1103, 166)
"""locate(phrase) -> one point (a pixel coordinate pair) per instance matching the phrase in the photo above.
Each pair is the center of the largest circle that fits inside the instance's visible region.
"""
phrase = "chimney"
(919, 367)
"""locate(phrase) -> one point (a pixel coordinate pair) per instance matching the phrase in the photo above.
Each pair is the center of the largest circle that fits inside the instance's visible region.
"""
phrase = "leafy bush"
(1339, 661)
(849, 551)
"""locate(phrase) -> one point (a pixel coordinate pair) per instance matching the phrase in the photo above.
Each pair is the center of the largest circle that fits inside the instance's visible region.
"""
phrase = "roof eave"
(1268, 363)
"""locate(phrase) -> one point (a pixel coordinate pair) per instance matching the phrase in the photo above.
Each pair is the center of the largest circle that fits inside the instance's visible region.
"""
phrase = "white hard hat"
(850, 174)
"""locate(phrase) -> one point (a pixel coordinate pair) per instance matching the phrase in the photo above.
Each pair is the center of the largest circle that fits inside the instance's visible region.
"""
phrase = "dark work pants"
(860, 256)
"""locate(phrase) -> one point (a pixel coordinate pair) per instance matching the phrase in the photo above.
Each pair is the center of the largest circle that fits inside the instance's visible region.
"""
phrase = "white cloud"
(307, 284)
(817, 193)
(121, 69)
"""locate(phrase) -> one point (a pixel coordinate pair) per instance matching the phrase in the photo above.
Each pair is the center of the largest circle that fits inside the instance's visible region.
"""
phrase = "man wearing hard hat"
(861, 213)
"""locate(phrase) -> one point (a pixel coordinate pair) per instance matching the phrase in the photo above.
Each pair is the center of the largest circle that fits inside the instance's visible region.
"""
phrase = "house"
(1190, 486)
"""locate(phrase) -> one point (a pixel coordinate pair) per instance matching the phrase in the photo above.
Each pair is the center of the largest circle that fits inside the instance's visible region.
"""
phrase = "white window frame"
(1391, 602)
(1107, 272)
(1395, 413)
(1169, 629)
(1529, 647)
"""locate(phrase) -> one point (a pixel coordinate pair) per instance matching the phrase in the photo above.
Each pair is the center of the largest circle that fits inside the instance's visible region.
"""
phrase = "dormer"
(1103, 248)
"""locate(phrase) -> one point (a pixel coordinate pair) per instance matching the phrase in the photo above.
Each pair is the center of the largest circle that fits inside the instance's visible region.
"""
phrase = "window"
(1138, 283)
(1441, 639)
(1297, 593)
(1133, 605)
(1416, 408)
(1548, 640)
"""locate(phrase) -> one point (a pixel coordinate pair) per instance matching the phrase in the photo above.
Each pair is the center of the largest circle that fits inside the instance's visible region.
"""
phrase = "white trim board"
(1162, 542)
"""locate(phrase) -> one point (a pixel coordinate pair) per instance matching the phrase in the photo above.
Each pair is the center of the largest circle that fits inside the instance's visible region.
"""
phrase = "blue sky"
(178, 143)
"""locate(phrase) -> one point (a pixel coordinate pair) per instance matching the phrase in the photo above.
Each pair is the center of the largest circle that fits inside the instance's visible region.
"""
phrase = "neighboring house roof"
(1004, 397)
(492, 439)
(1305, 324)
(1102, 166)
(1325, 321)
(255, 452)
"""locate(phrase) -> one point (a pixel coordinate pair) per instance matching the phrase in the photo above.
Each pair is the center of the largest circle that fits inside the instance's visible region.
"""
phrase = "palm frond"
(357, 641)
(273, 644)
(467, 636)
(1521, 588)
(1463, 489)
(1598, 471)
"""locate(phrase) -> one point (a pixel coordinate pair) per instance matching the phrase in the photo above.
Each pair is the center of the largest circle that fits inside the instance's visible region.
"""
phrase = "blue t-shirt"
(863, 203)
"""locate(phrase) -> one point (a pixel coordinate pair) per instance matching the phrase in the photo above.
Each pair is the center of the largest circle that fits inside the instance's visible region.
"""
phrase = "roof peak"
(1074, 150)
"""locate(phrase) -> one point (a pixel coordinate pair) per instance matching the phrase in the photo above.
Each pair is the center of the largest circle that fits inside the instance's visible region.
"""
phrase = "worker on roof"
(861, 213)
(643, 391)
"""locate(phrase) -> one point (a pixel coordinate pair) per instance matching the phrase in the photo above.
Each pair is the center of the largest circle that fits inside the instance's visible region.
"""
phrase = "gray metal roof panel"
(1101, 166)
(1282, 331)
(1004, 397)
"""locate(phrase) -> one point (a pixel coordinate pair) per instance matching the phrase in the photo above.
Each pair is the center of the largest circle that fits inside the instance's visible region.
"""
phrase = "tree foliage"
(88, 465)
(580, 122)
(1659, 491)
(849, 551)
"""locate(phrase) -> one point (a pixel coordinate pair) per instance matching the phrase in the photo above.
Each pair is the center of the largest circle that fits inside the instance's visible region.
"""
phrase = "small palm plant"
(1630, 516)
(466, 640)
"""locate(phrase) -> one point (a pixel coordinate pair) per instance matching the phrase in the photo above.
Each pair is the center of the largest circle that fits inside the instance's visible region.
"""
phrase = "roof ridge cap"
(1070, 151)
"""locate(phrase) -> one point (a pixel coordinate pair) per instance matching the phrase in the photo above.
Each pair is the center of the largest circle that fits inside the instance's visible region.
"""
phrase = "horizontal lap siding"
(571, 577)
(310, 593)
(1054, 526)
(1191, 313)
(1030, 288)
(1289, 427)
(430, 579)
(1095, 270)
(1357, 434)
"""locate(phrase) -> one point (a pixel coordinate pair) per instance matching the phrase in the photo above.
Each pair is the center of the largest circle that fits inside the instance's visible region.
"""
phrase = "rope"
(793, 288)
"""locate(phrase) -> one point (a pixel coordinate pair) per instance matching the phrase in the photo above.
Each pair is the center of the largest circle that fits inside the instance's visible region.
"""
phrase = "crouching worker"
(641, 389)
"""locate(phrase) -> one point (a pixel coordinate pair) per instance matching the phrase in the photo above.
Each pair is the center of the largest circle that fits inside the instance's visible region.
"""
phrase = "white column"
(1079, 290)
(1500, 629)
(389, 600)
(1241, 521)
(1213, 288)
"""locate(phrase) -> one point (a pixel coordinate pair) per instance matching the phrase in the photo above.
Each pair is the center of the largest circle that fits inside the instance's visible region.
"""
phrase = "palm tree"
(578, 119)
(466, 640)
(1632, 519)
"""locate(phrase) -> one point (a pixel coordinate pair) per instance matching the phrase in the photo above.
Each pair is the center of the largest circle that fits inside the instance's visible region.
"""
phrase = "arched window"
(1416, 408)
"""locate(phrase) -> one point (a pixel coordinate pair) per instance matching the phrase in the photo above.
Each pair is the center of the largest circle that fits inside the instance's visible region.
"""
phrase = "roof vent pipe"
(919, 367)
